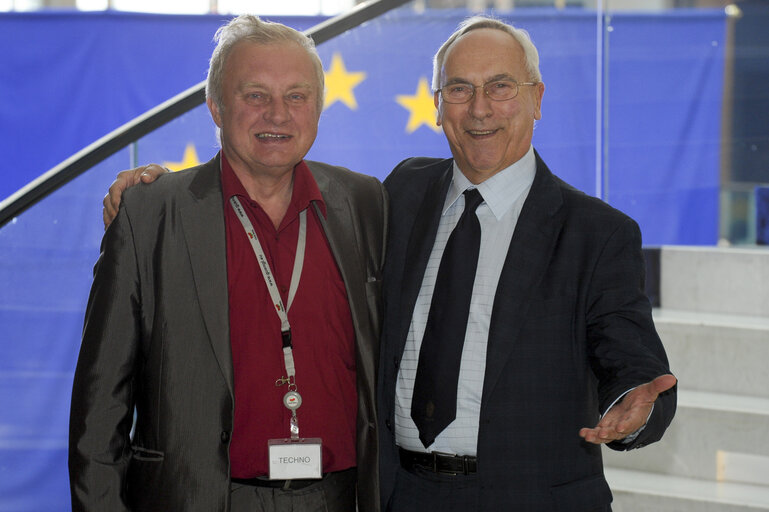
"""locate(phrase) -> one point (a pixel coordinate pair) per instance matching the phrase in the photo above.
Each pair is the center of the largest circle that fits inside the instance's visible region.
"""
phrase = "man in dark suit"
(194, 356)
(500, 410)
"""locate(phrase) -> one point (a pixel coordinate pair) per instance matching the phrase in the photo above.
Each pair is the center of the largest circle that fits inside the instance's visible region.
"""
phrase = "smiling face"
(269, 107)
(486, 136)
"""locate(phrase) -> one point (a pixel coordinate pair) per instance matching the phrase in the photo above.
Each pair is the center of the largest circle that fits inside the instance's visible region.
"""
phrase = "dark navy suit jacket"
(571, 330)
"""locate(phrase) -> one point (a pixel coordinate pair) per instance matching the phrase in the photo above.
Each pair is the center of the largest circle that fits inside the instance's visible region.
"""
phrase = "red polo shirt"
(321, 326)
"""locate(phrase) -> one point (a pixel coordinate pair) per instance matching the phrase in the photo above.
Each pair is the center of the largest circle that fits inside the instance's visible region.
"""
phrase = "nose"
(480, 104)
(277, 111)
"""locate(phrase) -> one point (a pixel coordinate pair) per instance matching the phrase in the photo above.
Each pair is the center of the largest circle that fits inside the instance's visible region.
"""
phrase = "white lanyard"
(292, 400)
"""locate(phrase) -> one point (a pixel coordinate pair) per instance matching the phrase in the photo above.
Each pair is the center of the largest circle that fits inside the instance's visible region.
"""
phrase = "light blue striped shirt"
(504, 195)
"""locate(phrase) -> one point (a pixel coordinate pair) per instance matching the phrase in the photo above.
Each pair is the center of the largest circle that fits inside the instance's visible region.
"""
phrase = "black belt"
(444, 463)
(282, 484)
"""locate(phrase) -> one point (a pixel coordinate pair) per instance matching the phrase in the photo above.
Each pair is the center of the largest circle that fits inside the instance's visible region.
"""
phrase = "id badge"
(295, 458)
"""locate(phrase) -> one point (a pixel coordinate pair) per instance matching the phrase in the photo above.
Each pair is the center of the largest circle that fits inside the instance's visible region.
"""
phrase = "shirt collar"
(501, 190)
(305, 189)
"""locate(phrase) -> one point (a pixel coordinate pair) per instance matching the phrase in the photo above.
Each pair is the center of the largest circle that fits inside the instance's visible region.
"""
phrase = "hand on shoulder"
(124, 180)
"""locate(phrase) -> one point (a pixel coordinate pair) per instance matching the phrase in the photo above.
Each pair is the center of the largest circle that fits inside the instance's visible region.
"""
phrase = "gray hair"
(522, 36)
(251, 28)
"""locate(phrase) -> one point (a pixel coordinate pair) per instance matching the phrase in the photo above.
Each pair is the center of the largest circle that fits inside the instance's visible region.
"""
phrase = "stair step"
(723, 402)
(713, 279)
(698, 318)
(638, 491)
(718, 353)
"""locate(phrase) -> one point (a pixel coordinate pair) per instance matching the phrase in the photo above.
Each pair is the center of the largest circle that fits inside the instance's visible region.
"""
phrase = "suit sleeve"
(624, 347)
(101, 413)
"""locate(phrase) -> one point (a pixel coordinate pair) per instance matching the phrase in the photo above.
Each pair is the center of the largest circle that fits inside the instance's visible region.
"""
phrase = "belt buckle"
(466, 464)
(450, 456)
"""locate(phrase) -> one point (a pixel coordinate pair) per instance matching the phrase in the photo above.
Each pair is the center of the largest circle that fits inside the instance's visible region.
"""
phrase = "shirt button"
(225, 437)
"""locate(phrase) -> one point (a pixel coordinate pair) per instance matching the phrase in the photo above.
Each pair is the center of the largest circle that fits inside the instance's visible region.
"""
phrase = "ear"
(539, 92)
(437, 102)
(214, 109)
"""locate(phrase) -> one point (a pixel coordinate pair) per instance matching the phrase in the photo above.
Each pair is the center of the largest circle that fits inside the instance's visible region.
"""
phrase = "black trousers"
(335, 492)
(425, 491)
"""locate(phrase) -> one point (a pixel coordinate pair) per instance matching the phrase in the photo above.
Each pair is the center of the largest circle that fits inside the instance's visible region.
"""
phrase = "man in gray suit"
(202, 372)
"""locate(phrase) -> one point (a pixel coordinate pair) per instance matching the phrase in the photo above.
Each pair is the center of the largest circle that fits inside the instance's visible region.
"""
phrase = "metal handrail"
(156, 117)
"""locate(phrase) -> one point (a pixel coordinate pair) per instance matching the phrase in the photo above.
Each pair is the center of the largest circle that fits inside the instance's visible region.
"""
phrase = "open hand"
(630, 414)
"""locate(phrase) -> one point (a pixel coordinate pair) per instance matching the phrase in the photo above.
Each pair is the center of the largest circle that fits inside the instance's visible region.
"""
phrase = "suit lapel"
(342, 232)
(527, 259)
(344, 246)
(203, 226)
(421, 243)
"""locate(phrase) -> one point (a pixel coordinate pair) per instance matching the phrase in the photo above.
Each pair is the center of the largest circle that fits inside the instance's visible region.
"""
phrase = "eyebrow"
(259, 85)
(495, 78)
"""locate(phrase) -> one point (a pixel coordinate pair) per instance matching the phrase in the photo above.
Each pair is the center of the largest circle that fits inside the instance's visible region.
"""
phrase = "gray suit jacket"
(571, 329)
(156, 338)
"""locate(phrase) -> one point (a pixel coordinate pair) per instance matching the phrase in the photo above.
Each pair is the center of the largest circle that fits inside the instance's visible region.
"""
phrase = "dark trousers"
(425, 491)
(335, 492)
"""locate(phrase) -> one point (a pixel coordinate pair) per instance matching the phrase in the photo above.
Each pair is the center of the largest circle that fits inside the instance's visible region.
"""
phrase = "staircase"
(714, 322)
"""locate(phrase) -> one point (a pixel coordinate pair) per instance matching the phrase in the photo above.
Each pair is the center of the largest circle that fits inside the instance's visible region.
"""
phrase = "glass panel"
(665, 88)
(745, 158)
(686, 134)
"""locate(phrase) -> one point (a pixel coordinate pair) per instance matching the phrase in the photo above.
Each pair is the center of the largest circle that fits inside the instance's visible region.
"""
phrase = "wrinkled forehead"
(280, 58)
(483, 53)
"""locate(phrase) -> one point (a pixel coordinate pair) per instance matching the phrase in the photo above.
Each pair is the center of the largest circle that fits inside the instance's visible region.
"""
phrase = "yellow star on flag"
(421, 108)
(340, 83)
(190, 159)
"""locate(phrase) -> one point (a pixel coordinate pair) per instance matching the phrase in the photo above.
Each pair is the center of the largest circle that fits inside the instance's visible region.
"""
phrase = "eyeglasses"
(497, 90)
